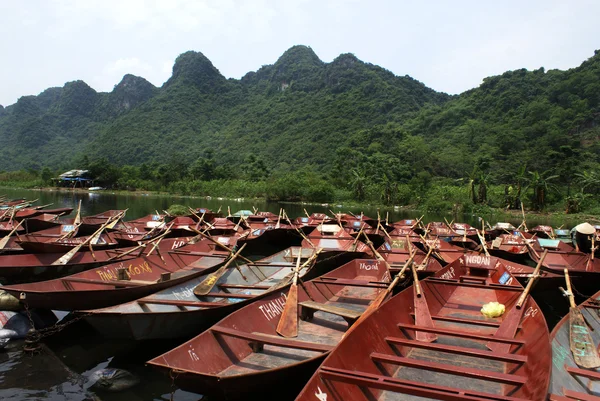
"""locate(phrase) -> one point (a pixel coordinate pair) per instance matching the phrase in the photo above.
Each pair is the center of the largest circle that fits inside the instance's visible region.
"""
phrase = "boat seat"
(576, 395)
(589, 374)
(229, 295)
(481, 374)
(245, 286)
(459, 320)
(181, 303)
(460, 333)
(258, 340)
(419, 389)
(350, 282)
(453, 349)
(308, 309)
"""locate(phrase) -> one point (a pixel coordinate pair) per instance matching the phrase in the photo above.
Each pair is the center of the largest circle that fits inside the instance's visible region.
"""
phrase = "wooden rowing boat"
(383, 358)
(105, 286)
(243, 354)
(156, 316)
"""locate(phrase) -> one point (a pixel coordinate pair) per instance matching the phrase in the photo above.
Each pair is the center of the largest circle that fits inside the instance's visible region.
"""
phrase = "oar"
(285, 281)
(524, 224)
(288, 322)
(510, 323)
(209, 282)
(224, 247)
(417, 222)
(143, 245)
(63, 260)
(422, 312)
(5, 240)
(306, 213)
(278, 218)
(77, 220)
(298, 230)
(376, 303)
(483, 243)
(582, 345)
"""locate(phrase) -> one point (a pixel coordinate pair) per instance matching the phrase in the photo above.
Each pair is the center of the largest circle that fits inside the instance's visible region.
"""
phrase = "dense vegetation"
(302, 129)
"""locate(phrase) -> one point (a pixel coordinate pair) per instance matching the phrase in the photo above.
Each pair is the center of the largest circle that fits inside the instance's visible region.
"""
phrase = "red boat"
(154, 317)
(103, 286)
(243, 354)
(439, 345)
(34, 243)
(509, 246)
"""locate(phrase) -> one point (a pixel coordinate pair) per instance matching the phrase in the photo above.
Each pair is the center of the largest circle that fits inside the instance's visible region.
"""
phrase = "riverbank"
(487, 213)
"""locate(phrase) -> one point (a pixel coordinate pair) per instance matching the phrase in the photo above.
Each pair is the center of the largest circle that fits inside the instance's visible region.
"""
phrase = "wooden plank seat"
(308, 309)
(245, 286)
(590, 374)
(480, 374)
(576, 395)
(473, 285)
(465, 321)
(258, 340)
(459, 333)
(174, 302)
(351, 282)
(453, 349)
(419, 389)
(229, 295)
(116, 283)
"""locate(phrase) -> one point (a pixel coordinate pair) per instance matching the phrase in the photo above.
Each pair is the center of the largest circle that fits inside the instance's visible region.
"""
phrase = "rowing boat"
(121, 282)
(243, 354)
(455, 353)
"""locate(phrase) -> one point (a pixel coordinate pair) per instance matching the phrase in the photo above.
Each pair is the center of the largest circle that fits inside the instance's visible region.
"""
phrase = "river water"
(61, 368)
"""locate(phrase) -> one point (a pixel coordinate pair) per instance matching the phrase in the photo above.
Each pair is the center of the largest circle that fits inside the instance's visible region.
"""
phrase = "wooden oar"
(483, 243)
(381, 297)
(209, 282)
(422, 313)
(77, 220)
(224, 247)
(63, 260)
(510, 323)
(306, 213)
(5, 240)
(298, 230)
(286, 280)
(582, 345)
(288, 322)
(143, 245)
(417, 222)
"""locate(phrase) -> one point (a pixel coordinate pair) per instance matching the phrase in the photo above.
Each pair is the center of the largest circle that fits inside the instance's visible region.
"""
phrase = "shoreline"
(500, 213)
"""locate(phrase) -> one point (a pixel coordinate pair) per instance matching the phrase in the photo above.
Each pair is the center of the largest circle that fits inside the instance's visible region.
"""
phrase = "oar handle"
(570, 291)
(536, 273)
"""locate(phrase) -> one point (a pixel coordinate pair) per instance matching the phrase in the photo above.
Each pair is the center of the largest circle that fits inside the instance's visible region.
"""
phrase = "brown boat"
(121, 282)
(509, 246)
(243, 353)
(439, 346)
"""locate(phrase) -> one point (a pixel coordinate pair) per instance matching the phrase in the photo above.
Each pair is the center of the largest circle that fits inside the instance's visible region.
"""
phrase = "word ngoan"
(111, 274)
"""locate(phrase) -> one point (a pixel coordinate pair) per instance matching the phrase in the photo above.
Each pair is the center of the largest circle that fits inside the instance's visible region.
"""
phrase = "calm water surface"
(60, 370)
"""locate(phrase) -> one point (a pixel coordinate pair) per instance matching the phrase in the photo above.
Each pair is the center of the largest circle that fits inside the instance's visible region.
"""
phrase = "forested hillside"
(345, 125)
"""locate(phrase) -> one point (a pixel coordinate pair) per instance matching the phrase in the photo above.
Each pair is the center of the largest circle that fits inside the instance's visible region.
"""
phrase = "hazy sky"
(449, 45)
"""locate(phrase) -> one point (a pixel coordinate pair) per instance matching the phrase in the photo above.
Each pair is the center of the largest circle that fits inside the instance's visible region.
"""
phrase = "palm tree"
(541, 184)
(358, 183)
(521, 178)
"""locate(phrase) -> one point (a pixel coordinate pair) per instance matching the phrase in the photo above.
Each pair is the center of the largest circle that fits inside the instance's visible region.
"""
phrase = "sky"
(450, 46)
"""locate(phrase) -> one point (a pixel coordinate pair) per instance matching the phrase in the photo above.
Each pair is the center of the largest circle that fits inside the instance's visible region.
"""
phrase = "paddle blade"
(209, 282)
(288, 323)
(64, 259)
(582, 345)
(423, 318)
